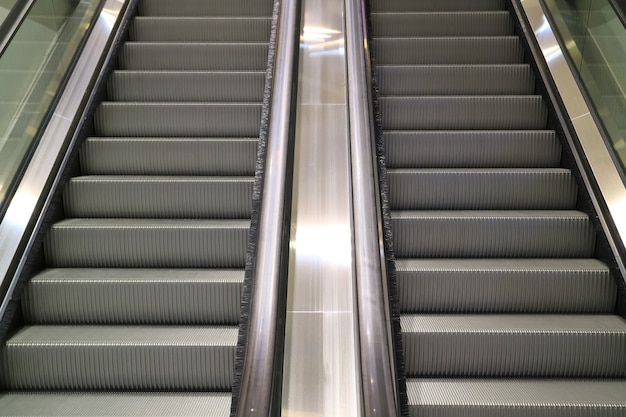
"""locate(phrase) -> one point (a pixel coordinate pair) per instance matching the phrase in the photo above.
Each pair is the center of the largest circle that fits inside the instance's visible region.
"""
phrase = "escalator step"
(471, 234)
(455, 80)
(449, 50)
(205, 8)
(140, 296)
(200, 29)
(482, 189)
(463, 112)
(219, 86)
(120, 357)
(169, 156)
(505, 286)
(518, 398)
(154, 197)
(178, 119)
(497, 23)
(80, 404)
(542, 346)
(435, 5)
(122, 243)
(169, 56)
(466, 149)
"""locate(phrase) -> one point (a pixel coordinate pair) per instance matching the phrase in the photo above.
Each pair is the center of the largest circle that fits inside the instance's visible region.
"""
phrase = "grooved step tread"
(200, 29)
(435, 5)
(187, 86)
(158, 197)
(408, 80)
(485, 23)
(219, 8)
(467, 149)
(486, 189)
(505, 286)
(175, 296)
(543, 346)
(169, 156)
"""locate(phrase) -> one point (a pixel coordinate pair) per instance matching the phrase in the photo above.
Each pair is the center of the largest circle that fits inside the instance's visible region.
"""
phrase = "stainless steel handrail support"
(377, 353)
(259, 367)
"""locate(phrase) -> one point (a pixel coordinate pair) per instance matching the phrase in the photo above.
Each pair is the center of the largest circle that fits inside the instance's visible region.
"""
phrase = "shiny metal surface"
(377, 352)
(612, 189)
(29, 192)
(258, 369)
(321, 367)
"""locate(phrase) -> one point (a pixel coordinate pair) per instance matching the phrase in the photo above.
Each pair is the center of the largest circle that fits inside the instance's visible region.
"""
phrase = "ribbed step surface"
(442, 24)
(482, 189)
(158, 296)
(505, 285)
(518, 398)
(115, 404)
(189, 8)
(169, 156)
(455, 80)
(200, 29)
(120, 357)
(489, 234)
(435, 5)
(159, 196)
(119, 243)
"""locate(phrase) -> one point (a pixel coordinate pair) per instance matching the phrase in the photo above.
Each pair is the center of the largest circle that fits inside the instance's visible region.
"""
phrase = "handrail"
(260, 364)
(13, 21)
(619, 6)
(378, 370)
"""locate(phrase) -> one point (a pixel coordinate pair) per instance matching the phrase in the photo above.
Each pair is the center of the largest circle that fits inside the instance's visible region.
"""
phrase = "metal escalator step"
(467, 149)
(494, 234)
(122, 243)
(205, 8)
(516, 398)
(536, 286)
(120, 358)
(535, 346)
(449, 51)
(435, 5)
(158, 197)
(219, 86)
(173, 56)
(482, 189)
(80, 404)
(463, 112)
(486, 23)
(200, 29)
(169, 156)
(140, 296)
(455, 80)
(178, 119)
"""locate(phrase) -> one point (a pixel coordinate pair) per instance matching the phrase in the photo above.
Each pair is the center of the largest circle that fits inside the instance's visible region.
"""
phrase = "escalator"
(505, 309)
(137, 310)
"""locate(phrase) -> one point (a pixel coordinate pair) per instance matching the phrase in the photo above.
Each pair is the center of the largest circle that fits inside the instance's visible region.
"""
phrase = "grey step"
(482, 189)
(516, 398)
(158, 197)
(80, 404)
(485, 23)
(495, 50)
(539, 286)
(467, 149)
(171, 56)
(120, 358)
(205, 8)
(137, 243)
(134, 296)
(455, 80)
(493, 234)
(463, 112)
(200, 29)
(220, 86)
(435, 5)
(178, 119)
(534, 346)
(169, 156)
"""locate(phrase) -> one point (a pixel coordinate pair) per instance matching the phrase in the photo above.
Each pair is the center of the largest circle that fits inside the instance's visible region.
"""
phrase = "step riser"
(435, 5)
(430, 24)
(205, 8)
(458, 113)
(200, 30)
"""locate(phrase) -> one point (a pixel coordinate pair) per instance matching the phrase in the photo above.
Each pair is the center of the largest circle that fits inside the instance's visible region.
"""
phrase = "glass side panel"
(5, 8)
(595, 39)
(32, 69)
